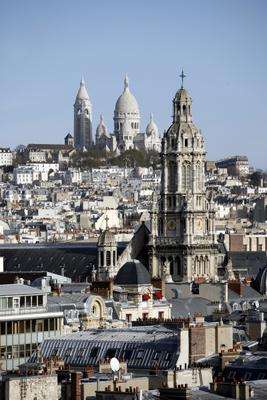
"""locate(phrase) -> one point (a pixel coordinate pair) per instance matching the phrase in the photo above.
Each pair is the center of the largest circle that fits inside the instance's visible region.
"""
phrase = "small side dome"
(152, 129)
(106, 238)
(133, 273)
(101, 129)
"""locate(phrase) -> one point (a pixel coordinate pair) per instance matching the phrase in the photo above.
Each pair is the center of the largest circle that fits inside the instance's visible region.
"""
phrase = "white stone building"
(126, 118)
(82, 119)
(6, 157)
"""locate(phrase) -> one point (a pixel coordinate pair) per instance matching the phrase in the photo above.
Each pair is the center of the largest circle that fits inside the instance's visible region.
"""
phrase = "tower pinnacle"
(126, 82)
(182, 76)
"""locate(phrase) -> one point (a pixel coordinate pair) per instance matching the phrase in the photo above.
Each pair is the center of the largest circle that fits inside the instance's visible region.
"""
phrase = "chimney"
(76, 392)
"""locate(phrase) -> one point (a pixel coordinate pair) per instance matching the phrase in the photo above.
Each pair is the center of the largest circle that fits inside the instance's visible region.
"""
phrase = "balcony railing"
(22, 311)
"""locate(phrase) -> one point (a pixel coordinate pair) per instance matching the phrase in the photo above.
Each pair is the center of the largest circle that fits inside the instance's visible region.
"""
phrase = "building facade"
(6, 157)
(183, 243)
(82, 119)
(25, 321)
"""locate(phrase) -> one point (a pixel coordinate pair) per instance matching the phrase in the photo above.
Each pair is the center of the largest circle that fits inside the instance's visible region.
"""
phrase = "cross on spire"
(106, 218)
(182, 76)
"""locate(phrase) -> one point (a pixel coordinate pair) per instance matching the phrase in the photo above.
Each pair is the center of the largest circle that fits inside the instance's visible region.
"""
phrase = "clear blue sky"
(221, 44)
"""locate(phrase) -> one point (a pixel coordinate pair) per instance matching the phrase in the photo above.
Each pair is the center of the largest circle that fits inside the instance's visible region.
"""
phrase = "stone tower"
(107, 255)
(82, 119)
(185, 247)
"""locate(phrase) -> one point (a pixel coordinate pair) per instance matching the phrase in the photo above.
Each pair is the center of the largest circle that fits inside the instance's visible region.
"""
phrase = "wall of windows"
(7, 303)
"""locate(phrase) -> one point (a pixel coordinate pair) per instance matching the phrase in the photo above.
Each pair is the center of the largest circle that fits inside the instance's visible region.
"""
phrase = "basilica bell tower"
(185, 246)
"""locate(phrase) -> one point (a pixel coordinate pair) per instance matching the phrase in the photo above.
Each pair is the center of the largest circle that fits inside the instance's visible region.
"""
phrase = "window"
(21, 326)
(46, 325)
(127, 355)
(108, 258)
(2, 352)
(3, 328)
(186, 142)
(114, 257)
(34, 301)
(16, 302)
(128, 317)
(110, 353)
(40, 300)
(102, 258)
(94, 352)
(161, 315)
(27, 350)
(140, 354)
(28, 326)
(28, 301)
(10, 302)
(9, 327)
(186, 176)
(22, 302)
(68, 352)
(22, 351)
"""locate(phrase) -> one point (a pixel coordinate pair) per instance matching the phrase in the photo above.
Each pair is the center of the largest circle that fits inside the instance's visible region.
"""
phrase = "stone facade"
(43, 387)
(185, 247)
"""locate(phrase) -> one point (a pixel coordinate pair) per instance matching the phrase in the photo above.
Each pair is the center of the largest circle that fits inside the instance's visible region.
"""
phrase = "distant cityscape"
(130, 265)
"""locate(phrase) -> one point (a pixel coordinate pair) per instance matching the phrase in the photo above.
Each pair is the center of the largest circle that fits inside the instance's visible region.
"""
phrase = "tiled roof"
(142, 347)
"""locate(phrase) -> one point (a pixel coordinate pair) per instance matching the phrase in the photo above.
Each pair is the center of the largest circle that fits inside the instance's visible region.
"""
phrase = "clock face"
(171, 225)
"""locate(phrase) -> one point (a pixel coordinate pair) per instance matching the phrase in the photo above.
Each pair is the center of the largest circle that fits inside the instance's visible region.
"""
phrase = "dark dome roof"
(133, 273)
(260, 283)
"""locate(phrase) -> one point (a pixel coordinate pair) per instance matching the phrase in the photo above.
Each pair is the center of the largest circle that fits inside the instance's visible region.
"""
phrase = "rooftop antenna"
(182, 76)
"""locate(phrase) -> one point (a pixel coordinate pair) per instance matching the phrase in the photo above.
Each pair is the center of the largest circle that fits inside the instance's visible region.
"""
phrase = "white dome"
(82, 93)
(152, 128)
(101, 129)
(126, 103)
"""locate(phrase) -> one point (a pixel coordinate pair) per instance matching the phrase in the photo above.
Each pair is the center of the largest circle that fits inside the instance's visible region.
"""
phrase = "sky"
(45, 47)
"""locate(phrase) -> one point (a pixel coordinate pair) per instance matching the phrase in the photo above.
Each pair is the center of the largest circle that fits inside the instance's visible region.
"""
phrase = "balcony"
(22, 311)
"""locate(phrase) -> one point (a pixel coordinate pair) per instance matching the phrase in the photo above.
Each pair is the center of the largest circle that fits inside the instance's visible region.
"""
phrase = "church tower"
(82, 119)
(185, 248)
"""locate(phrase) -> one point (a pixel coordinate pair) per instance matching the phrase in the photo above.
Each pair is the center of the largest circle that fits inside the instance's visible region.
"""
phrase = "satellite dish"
(114, 364)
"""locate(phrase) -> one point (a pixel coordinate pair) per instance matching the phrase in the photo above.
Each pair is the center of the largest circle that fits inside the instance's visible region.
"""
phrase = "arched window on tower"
(108, 258)
(172, 176)
(184, 109)
(178, 266)
(170, 259)
(102, 258)
(186, 176)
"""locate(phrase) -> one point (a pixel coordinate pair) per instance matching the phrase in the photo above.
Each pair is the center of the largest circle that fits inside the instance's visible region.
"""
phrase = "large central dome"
(126, 103)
